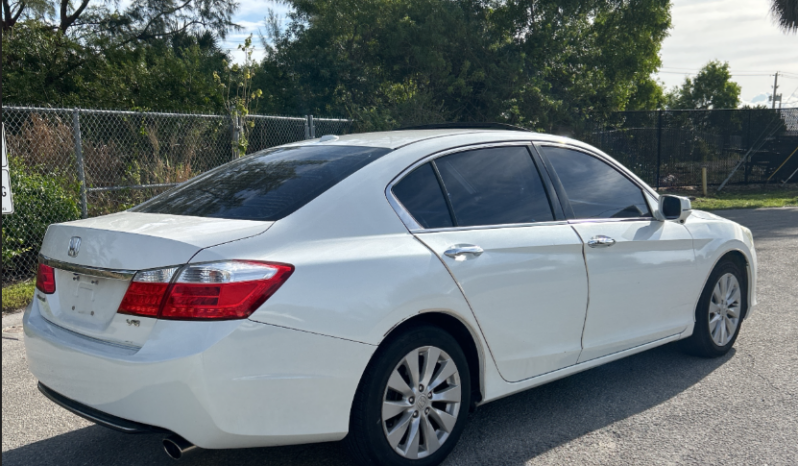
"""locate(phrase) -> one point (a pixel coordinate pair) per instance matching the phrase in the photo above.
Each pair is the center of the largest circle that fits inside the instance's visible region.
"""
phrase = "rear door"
(638, 267)
(520, 267)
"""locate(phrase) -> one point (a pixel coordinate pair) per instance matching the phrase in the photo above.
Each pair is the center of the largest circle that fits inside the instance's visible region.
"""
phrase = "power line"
(737, 71)
(739, 75)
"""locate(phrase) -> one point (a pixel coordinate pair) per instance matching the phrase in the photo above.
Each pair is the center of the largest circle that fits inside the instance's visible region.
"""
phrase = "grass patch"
(747, 200)
(18, 295)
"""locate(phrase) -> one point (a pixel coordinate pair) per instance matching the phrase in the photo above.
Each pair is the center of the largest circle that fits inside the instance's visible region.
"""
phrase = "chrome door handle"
(600, 241)
(459, 251)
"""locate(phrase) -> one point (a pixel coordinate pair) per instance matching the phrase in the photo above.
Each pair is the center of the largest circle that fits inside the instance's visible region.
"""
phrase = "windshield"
(266, 186)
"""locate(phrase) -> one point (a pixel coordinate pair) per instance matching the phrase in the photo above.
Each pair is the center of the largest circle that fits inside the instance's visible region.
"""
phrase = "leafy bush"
(18, 295)
(39, 200)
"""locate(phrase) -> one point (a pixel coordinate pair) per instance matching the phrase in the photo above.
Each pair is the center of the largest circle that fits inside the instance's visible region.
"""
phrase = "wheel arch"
(465, 336)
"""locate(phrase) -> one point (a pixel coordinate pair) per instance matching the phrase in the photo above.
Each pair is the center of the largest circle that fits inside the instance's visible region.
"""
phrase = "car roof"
(401, 138)
(433, 140)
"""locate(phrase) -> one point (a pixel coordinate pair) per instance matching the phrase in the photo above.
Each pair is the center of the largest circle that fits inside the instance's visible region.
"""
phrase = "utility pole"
(776, 96)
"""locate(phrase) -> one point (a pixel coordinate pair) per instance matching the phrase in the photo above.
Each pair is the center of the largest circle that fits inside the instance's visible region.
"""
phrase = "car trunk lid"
(95, 259)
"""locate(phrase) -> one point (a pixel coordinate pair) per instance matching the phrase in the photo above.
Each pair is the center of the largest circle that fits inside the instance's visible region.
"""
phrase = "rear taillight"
(45, 279)
(213, 291)
(146, 292)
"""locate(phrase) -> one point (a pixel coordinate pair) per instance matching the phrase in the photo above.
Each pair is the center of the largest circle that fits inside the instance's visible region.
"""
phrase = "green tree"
(648, 95)
(152, 54)
(142, 20)
(542, 64)
(712, 88)
(238, 95)
(50, 69)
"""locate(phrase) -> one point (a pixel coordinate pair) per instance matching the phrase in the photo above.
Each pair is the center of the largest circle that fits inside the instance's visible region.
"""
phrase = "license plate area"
(84, 296)
(87, 301)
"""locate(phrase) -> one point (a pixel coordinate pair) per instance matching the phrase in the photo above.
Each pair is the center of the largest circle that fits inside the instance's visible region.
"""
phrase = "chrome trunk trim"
(86, 270)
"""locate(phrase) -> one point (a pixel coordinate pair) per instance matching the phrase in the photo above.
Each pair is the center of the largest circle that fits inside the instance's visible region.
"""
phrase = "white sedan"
(374, 288)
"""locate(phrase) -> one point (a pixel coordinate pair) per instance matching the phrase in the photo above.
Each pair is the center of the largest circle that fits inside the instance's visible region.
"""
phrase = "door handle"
(459, 251)
(600, 241)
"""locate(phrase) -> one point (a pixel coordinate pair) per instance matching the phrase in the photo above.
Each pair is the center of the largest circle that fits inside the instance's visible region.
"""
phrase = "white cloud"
(251, 16)
(740, 32)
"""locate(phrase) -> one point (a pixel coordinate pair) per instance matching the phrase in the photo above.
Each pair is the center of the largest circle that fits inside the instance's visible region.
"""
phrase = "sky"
(740, 32)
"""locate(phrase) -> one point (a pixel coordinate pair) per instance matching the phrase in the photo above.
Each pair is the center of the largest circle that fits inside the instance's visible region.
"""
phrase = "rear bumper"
(234, 384)
(98, 417)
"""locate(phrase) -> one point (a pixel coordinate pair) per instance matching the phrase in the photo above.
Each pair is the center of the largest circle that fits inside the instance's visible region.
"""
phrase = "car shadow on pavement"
(509, 431)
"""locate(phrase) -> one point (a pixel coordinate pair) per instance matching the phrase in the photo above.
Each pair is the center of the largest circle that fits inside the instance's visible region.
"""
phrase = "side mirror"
(674, 207)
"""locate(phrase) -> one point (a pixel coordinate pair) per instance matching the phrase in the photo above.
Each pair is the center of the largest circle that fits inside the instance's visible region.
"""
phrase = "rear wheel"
(719, 313)
(412, 403)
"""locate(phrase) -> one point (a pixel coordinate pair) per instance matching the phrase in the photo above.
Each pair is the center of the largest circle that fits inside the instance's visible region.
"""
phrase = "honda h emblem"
(74, 246)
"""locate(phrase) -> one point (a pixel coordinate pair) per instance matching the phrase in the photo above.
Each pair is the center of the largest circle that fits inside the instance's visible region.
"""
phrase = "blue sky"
(738, 31)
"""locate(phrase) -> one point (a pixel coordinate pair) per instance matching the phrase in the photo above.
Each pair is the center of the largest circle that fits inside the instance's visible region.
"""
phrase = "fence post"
(747, 144)
(79, 156)
(310, 127)
(234, 120)
(659, 144)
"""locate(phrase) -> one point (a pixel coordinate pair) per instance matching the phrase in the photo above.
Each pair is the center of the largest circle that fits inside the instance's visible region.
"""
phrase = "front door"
(640, 269)
(522, 272)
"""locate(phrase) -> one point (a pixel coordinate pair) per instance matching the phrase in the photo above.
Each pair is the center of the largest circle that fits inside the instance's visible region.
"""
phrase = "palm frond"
(785, 13)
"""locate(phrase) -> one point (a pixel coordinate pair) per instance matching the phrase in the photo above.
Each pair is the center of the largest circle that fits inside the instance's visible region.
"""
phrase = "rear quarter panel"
(358, 272)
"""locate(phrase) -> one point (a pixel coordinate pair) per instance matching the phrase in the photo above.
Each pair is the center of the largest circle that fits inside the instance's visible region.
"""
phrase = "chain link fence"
(71, 163)
(670, 147)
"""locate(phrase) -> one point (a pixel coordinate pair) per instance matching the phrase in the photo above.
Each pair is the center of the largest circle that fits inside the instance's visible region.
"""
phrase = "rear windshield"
(267, 185)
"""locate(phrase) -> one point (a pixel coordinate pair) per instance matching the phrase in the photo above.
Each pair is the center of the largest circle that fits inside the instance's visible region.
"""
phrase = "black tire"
(367, 442)
(701, 343)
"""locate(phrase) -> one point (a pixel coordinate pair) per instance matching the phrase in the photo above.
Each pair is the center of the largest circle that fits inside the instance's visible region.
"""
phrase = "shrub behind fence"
(107, 161)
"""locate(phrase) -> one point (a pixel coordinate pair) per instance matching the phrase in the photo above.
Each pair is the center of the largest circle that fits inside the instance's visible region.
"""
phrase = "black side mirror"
(674, 207)
(671, 207)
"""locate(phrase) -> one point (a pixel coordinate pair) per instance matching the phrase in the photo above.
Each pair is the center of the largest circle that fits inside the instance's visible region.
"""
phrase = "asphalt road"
(658, 407)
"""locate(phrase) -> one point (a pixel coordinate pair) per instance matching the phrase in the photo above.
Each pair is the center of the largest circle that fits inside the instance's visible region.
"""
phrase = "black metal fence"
(670, 147)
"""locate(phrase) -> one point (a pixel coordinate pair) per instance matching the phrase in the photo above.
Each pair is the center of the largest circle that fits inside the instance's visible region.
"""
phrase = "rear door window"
(494, 186)
(422, 196)
(594, 188)
(265, 186)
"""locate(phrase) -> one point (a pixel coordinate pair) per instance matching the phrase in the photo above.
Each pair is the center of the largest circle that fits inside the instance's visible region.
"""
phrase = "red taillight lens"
(45, 279)
(143, 299)
(223, 290)
(214, 291)
(146, 292)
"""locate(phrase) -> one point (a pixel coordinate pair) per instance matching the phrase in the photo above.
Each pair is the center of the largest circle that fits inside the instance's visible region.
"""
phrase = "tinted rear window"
(422, 196)
(494, 186)
(267, 185)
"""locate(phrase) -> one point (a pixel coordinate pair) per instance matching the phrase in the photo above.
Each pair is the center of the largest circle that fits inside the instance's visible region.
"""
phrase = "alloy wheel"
(421, 402)
(724, 309)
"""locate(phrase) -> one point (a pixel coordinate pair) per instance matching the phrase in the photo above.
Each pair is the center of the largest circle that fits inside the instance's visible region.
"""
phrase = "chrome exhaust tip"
(176, 446)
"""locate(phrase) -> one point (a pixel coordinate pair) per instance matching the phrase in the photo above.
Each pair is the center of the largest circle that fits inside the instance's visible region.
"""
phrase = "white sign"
(8, 203)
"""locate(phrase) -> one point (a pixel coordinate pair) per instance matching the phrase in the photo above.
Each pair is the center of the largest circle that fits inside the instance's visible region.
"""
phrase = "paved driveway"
(658, 407)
